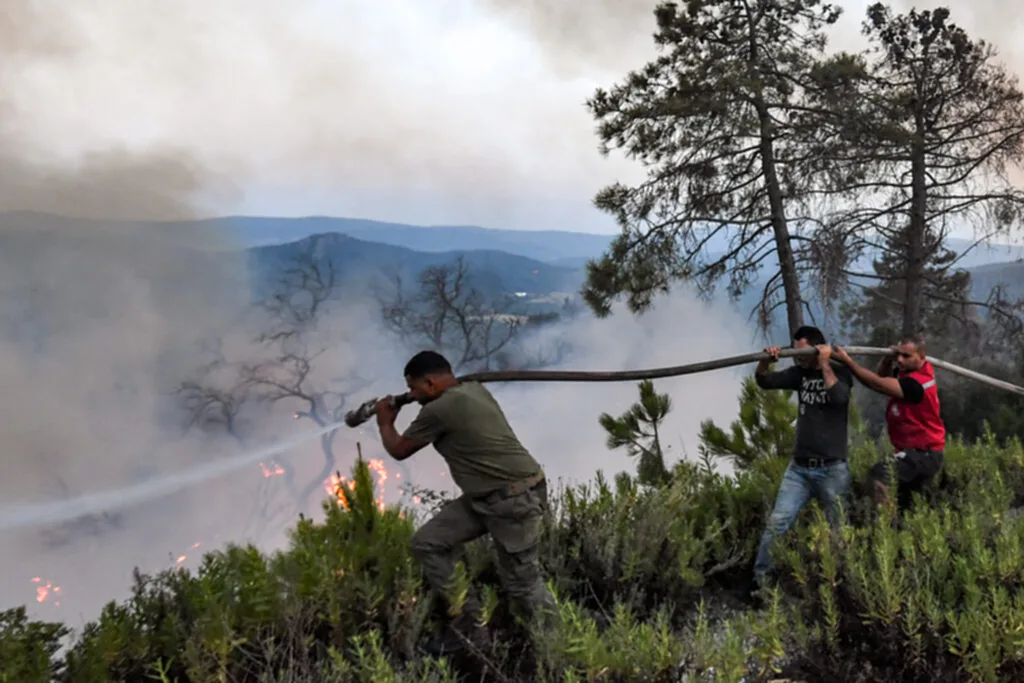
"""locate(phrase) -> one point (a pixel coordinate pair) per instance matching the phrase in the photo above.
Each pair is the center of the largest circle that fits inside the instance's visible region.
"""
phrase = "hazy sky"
(448, 111)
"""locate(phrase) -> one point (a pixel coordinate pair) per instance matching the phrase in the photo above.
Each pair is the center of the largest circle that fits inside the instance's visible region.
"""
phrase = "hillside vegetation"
(495, 273)
(649, 581)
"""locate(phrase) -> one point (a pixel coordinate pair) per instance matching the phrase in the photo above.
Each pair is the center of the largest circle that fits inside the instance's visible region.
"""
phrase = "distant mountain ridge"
(492, 272)
(565, 248)
(552, 246)
(561, 248)
(502, 261)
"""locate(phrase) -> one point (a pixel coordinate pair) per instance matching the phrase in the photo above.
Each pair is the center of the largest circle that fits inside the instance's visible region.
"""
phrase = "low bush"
(651, 583)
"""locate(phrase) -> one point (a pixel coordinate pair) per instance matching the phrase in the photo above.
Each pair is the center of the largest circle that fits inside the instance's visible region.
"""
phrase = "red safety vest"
(917, 426)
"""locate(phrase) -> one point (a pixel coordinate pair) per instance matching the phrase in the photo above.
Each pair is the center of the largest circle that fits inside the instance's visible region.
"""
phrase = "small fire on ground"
(274, 470)
(45, 590)
(335, 484)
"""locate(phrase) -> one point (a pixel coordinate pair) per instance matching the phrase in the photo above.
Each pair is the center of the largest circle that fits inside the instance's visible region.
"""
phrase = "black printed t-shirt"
(821, 425)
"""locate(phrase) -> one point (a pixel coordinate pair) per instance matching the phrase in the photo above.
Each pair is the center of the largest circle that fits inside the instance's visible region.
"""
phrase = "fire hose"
(367, 409)
(30, 514)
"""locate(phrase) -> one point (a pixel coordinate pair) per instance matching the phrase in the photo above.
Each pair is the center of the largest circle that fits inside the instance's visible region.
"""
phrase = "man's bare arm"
(890, 386)
(396, 445)
(884, 368)
(779, 379)
(824, 363)
(764, 366)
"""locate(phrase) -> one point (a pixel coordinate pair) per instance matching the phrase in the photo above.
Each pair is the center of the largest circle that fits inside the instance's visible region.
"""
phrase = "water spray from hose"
(51, 512)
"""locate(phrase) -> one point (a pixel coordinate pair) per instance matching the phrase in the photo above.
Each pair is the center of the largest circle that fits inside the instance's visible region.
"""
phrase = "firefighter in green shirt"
(504, 491)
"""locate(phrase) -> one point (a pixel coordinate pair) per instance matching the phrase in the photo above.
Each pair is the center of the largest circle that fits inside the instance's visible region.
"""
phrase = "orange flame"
(182, 558)
(382, 476)
(268, 472)
(44, 589)
(333, 485)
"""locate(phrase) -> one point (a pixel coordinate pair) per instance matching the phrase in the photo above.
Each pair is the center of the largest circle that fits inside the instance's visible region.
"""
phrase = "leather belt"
(522, 486)
(815, 463)
(515, 488)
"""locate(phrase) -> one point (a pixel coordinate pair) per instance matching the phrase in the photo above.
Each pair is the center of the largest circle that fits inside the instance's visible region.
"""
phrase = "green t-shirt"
(468, 428)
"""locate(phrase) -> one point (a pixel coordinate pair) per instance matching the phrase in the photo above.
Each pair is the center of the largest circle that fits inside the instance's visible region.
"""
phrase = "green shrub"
(28, 648)
(649, 581)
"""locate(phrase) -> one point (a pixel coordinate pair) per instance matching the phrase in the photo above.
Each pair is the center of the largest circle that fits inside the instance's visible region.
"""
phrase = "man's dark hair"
(915, 339)
(427, 363)
(813, 335)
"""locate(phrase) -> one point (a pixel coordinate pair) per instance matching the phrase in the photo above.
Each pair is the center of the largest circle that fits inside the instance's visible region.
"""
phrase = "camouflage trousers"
(514, 523)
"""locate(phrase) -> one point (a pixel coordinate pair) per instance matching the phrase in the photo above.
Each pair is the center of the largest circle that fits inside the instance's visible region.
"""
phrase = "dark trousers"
(514, 523)
(916, 470)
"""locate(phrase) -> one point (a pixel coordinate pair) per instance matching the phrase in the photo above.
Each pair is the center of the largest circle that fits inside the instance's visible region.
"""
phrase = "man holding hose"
(819, 467)
(912, 418)
(504, 491)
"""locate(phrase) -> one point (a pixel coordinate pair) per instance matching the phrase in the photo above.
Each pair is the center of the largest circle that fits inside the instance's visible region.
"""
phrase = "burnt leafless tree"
(294, 306)
(291, 342)
(446, 312)
(212, 402)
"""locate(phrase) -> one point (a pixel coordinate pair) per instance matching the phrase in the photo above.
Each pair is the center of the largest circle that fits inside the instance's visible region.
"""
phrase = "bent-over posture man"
(504, 491)
(819, 467)
(912, 417)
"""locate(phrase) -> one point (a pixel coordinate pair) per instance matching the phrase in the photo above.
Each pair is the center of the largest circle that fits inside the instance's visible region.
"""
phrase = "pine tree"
(924, 132)
(710, 119)
(766, 428)
(947, 318)
(637, 430)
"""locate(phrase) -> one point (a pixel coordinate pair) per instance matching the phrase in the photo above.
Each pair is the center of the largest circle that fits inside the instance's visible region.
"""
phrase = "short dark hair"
(813, 335)
(915, 339)
(427, 363)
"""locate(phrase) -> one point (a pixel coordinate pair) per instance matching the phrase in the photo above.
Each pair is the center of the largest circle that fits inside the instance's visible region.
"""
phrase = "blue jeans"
(830, 485)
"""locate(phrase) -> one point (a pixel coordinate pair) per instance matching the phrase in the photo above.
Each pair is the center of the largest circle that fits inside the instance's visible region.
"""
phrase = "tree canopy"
(711, 121)
(772, 161)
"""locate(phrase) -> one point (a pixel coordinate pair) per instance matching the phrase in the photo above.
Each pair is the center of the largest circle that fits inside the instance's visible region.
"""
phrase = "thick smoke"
(585, 38)
(680, 329)
(103, 314)
(319, 104)
(615, 35)
(98, 319)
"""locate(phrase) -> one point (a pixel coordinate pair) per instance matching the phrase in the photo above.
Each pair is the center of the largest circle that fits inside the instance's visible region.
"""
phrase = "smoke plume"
(104, 311)
(585, 38)
(615, 35)
(99, 314)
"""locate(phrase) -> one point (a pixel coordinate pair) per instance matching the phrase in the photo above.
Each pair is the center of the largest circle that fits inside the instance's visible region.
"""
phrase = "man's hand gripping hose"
(368, 409)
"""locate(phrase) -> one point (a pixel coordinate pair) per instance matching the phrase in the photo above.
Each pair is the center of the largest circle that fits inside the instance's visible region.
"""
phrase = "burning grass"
(650, 583)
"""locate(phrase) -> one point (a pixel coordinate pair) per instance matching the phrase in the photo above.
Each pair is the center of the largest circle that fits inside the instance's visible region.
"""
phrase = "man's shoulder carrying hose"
(366, 410)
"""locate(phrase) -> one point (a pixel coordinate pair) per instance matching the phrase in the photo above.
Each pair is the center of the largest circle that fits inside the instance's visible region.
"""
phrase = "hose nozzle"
(367, 409)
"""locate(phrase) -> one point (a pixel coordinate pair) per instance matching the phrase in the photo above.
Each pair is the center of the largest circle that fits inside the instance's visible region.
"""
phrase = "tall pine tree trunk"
(780, 227)
(916, 230)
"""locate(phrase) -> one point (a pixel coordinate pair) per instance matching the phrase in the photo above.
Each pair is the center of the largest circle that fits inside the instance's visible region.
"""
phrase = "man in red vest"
(912, 416)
